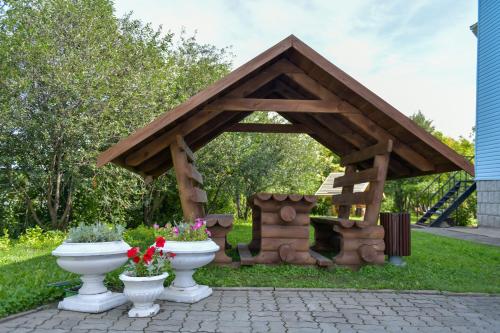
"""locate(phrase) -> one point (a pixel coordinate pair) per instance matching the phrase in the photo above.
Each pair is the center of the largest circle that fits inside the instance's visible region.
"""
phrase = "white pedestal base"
(93, 303)
(186, 295)
(144, 312)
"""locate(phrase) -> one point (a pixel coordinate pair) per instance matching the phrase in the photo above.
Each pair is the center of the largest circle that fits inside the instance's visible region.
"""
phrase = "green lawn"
(436, 263)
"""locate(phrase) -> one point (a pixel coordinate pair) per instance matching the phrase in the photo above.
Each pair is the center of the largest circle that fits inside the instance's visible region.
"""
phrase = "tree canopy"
(74, 79)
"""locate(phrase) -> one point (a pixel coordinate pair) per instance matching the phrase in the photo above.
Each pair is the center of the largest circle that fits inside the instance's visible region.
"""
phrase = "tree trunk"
(238, 205)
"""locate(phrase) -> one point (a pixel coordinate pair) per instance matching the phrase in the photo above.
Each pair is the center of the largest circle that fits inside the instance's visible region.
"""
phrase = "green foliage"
(97, 232)
(74, 80)
(37, 238)
(323, 207)
(5, 240)
(26, 275)
(140, 236)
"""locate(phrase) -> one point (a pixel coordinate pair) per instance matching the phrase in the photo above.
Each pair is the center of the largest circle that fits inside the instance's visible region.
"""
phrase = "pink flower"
(176, 230)
(156, 226)
(198, 224)
(208, 233)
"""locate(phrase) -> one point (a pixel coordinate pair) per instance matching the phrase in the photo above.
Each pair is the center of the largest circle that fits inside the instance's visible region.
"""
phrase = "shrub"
(140, 236)
(97, 232)
(5, 240)
(36, 238)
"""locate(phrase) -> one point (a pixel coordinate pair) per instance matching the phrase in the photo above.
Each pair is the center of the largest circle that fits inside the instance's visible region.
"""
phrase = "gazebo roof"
(314, 95)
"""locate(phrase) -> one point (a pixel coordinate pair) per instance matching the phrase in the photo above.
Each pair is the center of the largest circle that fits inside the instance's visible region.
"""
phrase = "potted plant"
(92, 251)
(193, 248)
(144, 277)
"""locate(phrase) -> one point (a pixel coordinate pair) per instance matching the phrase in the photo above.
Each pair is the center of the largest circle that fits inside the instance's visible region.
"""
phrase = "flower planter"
(92, 261)
(143, 291)
(189, 257)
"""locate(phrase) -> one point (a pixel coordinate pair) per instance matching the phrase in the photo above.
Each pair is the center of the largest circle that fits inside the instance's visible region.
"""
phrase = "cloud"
(414, 54)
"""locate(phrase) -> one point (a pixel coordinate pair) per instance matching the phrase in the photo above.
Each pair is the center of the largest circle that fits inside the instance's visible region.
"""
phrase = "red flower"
(148, 256)
(133, 252)
(136, 259)
(150, 251)
(160, 241)
(171, 254)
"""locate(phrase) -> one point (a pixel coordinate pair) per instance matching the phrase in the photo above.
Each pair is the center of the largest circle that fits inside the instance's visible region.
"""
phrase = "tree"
(237, 165)
(404, 195)
(75, 79)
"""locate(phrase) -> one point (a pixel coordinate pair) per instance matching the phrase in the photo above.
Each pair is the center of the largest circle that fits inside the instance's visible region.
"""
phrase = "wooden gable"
(315, 96)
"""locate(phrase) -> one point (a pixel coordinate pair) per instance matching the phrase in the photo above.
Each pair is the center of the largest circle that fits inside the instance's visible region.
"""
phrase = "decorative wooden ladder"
(193, 198)
(361, 241)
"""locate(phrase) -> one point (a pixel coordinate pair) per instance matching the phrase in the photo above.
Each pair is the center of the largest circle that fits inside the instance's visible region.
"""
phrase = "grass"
(437, 263)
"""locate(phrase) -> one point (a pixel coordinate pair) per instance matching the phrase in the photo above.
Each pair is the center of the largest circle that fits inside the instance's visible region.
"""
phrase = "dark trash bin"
(397, 236)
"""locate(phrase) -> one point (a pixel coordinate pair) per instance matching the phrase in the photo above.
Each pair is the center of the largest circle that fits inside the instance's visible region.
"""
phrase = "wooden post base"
(360, 246)
(219, 226)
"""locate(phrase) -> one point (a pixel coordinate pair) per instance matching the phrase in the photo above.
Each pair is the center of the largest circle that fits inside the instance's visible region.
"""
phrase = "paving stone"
(233, 329)
(286, 311)
(304, 330)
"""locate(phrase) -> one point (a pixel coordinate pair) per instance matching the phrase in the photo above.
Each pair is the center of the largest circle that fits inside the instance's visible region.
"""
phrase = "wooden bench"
(357, 242)
(193, 197)
(280, 231)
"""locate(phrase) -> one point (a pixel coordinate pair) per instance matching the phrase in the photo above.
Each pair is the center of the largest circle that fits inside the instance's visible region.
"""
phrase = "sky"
(417, 55)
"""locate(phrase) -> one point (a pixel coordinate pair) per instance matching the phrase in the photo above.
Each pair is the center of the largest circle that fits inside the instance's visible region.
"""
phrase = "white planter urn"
(188, 257)
(143, 291)
(92, 261)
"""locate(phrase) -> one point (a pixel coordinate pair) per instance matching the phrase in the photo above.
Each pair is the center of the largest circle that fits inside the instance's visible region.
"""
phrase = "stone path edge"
(353, 290)
(27, 312)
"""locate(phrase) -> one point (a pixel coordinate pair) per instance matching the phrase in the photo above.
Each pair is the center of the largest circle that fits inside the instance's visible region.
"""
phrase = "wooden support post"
(190, 209)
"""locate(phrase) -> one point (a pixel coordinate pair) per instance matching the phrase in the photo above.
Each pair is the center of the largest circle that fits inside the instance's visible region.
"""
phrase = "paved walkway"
(490, 236)
(285, 311)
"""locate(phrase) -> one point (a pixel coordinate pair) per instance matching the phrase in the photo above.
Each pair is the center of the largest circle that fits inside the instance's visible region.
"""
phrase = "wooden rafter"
(278, 105)
(362, 121)
(205, 134)
(337, 109)
(268, 128)
(381, 105)
(166, 139)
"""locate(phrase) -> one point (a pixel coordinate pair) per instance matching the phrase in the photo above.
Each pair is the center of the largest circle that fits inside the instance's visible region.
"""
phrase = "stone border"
(20, 314)
(353, 290)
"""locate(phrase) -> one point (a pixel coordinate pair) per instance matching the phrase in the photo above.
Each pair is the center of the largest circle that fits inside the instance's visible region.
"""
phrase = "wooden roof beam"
(333, 142)
(279, 105)
(337, 126)
(268, 128)
(280, 67)
(166, 139)
(363, 122)
(209, 112)
(194, 102)
(199, 138)
(385, 108)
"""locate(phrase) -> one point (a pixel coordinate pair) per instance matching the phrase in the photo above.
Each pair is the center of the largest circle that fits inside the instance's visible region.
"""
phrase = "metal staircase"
(443, 196)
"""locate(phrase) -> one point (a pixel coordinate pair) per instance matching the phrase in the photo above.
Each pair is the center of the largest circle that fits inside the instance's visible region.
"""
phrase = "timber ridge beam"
(279, 105)
(268, 128)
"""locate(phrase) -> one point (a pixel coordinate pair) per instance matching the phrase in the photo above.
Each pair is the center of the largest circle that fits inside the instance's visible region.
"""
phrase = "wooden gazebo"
(374, 140)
